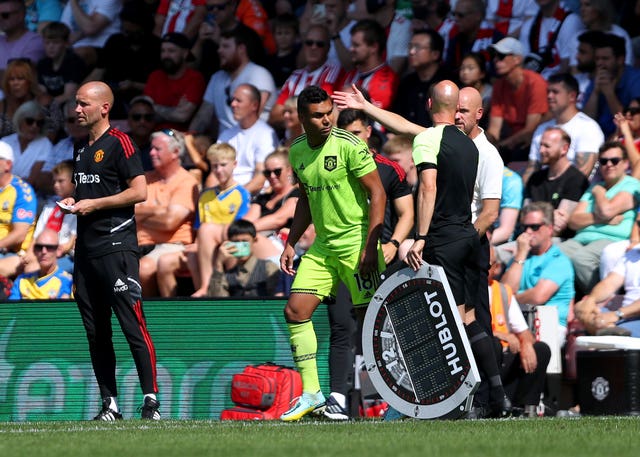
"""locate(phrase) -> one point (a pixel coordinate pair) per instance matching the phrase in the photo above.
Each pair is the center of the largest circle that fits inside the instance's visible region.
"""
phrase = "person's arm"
(377, 202)
(523, 136)
(602, 291)
(585, 161)
(508, 219)
(629, 143)
(301, 220)
(196, 19)
(256, 183)
(160, 217)
(16, 235)
(513, 275)
(488, 215)
(494, 129)
(135, 193)
(426, 204)
(403, 207)
(580, 218)
(182, 112)
(194, 154)
(89, 25)
(607, 208)
(539, 294)
(528, 356)
(388, 119)
(532, 167)
(277, 219)
(203, 118)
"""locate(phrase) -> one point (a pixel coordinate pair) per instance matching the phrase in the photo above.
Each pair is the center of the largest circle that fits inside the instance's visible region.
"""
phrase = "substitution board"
(415, 347)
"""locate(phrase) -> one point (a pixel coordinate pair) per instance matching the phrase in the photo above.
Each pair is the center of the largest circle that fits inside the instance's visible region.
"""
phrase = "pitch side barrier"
(45, 371)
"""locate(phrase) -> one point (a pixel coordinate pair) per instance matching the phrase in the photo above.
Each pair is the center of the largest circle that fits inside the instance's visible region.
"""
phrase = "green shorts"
(320, 275)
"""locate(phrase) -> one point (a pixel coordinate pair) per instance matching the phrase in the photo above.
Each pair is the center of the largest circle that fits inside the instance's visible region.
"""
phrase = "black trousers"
(107, 283)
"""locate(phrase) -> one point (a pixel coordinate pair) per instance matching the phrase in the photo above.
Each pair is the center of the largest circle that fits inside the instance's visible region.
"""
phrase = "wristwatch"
(417, 236)
(396, 243)
(619, 314)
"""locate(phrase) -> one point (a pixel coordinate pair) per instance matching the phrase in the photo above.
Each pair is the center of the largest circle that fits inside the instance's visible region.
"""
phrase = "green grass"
(584, 437)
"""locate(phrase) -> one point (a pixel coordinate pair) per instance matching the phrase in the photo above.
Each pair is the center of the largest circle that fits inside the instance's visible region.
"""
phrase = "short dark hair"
(372, 33)
(349, 115)
(612, 145)
(249, 38)
(570, 83)
(591, 37)
(435, 39)
(241, 227)
(56, 31)
(615, 42)
(286, 21)
(310, 95)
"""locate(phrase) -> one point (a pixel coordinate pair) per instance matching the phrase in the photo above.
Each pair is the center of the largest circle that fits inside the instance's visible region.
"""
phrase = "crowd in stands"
(207, 90)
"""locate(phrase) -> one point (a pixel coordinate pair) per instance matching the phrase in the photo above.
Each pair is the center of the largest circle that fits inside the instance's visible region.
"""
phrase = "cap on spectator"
(180, 40)
(6, 152)
(509, 45)
(142, 99)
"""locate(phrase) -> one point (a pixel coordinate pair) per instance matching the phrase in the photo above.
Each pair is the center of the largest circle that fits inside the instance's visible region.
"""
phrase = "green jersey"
(329, 174)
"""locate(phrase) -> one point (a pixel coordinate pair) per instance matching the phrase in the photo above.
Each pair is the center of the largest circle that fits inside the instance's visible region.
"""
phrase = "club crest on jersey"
(330, 163)
(98, 156)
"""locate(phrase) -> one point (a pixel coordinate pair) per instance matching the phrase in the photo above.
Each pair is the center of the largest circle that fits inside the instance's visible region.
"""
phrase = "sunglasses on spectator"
(31, 121)
(499, 55)
(318, 43)
(137, 117)
(219, 7)
(632, 110)
(533, 227)
(275, 171)
(40, 247)
(7, 14)
(614, 160)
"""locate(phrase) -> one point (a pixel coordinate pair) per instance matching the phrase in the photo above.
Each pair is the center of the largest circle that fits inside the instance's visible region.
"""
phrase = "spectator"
(434, 14)
(333, 15)
(252, 138)
(605, 213)
(585, 62)
(51, 217)
(75, 139)
(593, 310)
(175, 88)
(523, 360)
(285, 60)
(165, 219)
(398, 149)
(510, 205)
(425, 61)
(628, 132)
(39, 14)
(586, 135)
(236, 68)
(19, 206)
(549, 38)
(599, 15)
(19, 85)
(614, 84)
(559, 183)
(61, 71)
(473, 73)
(249, 276)
(518, 103)
(178, 16)
(474, 33)
(128, 57)
(317, 72)
(540, 273)
(31, 148)
(371, 73)
(16, 41)
(217, 207)
(92, 22)
(141, 120)
(292, 126)
(252, 14)
(49, 282)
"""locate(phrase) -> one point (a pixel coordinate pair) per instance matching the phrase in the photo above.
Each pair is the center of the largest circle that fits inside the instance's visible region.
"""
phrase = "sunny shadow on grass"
(586, 437)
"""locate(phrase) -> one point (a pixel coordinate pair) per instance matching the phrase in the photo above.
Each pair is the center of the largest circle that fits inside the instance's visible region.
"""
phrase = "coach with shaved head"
(109, 181)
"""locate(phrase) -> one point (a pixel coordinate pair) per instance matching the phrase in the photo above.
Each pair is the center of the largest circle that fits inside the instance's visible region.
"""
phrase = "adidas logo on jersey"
(120, 286)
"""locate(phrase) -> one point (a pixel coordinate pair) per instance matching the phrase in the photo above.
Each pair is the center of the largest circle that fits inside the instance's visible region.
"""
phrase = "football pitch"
(564, 437)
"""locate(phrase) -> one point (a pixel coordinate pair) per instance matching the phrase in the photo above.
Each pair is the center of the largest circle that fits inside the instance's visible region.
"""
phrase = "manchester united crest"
(98, 156)
(330, 163)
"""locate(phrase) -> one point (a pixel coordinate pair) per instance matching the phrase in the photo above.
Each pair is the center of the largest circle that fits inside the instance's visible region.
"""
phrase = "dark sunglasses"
(275, 171)
(137, 117)
(533, 227)
(499, 56)
(633, 111)
(31, 121)
(614, 160)
(219, 7)
(318, 43)
(7, 14)
(50, 247)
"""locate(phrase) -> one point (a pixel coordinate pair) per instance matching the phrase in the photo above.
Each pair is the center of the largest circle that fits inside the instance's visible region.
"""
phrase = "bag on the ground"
(263, 392)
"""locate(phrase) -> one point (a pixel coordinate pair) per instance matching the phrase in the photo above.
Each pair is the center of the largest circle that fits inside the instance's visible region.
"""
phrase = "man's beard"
(230, 64)
(587, 67)
(170, 67)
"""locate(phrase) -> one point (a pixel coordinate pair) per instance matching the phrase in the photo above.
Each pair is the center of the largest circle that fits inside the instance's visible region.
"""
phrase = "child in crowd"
(284, 61)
